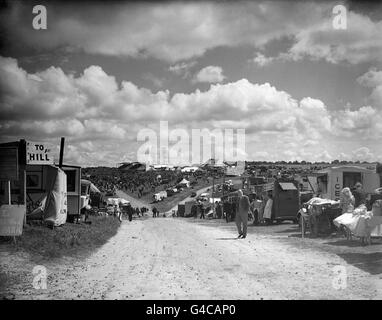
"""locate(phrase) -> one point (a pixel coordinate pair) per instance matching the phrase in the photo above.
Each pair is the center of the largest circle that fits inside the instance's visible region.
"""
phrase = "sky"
(102, 73)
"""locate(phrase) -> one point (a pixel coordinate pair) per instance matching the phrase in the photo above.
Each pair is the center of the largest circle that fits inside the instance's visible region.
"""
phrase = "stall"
(332, 180)
(286, 199)
(12, 188)
(188, 208)
(317, 216)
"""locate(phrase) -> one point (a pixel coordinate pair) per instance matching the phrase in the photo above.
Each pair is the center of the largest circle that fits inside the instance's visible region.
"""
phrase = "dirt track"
(175, 258)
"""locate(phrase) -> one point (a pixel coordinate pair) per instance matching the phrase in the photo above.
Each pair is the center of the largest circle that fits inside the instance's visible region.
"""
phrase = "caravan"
(332, 180)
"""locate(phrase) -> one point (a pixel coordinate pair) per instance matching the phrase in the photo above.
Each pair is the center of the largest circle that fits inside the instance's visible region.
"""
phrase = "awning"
(93, 188)
(287, 186)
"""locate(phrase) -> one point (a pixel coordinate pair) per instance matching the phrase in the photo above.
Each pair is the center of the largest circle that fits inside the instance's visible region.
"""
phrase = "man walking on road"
(201, 211)
(130, 211)
(242, 214)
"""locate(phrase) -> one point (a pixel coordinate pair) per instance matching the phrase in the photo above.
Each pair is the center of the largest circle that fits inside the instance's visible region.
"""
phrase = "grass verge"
(69, 239)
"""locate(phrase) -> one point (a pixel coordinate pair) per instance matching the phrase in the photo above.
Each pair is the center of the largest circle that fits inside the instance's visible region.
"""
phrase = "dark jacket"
(360, 198)
(243, 205)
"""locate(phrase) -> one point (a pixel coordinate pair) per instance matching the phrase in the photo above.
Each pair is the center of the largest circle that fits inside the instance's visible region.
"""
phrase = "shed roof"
(287, 186)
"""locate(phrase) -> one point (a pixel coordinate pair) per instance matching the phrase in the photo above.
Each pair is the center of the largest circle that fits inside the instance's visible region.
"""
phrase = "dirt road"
(175, 258)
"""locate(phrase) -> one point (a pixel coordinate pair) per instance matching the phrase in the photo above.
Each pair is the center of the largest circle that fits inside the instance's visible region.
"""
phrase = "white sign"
(39, 153)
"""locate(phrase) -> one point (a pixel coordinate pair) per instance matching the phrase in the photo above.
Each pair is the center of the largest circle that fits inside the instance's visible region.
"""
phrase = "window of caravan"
(351, 178)
(322, 182)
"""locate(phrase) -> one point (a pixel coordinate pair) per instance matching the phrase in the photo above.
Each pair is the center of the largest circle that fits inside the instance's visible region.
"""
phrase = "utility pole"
(213, 194)
(61, 152)
(223, 190)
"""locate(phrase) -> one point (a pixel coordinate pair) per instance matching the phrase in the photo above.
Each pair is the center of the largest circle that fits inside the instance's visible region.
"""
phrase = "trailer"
(286, 199)
(331, 181)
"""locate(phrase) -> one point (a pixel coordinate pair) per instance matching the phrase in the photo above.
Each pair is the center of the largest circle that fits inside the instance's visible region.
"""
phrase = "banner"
(39, 153)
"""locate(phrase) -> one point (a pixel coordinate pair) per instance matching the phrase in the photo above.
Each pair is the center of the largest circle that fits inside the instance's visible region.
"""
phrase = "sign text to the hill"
(39, 153)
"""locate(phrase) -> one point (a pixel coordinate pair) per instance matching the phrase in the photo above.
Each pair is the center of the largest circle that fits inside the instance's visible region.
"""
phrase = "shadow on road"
(227, 238)
(369, 262)
(352, 243)
(290, 230)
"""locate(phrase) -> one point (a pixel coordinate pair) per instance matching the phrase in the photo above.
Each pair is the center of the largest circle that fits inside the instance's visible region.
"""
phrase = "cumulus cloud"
(373, 79)
(363, 122)
(182, 68)
(171, 31)
(363, 154)
(94, 106)
(262, 60)
(180, 31)
(211, 74)
(360, 42)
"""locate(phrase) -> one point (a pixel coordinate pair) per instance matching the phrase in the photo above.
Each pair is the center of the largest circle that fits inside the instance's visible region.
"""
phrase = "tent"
(117, 201)
(213, 200)
(184, 182)
(53, 208)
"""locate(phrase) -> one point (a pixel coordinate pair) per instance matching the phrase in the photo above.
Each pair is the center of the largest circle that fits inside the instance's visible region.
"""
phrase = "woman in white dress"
(346, 221)
(268, 209)
(355, 221)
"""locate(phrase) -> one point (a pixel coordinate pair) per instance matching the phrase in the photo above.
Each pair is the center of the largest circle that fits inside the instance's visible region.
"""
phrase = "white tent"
(185, 182)
(117, 201)
(213, 200)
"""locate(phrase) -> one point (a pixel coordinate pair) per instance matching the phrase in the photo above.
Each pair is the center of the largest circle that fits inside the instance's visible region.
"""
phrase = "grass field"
(66, 240)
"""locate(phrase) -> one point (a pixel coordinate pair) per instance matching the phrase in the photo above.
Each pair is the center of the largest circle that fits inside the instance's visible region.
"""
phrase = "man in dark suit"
(359, 195)
(242, 215)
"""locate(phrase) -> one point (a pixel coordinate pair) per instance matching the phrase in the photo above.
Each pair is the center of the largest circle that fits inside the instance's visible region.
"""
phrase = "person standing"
(194, 211)
(359, 195)
(347, 200)
(154, 210)
(241, 217)
(268, 209)
(130, 212)
(255, 208)
(201, 207)
(218, 210)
